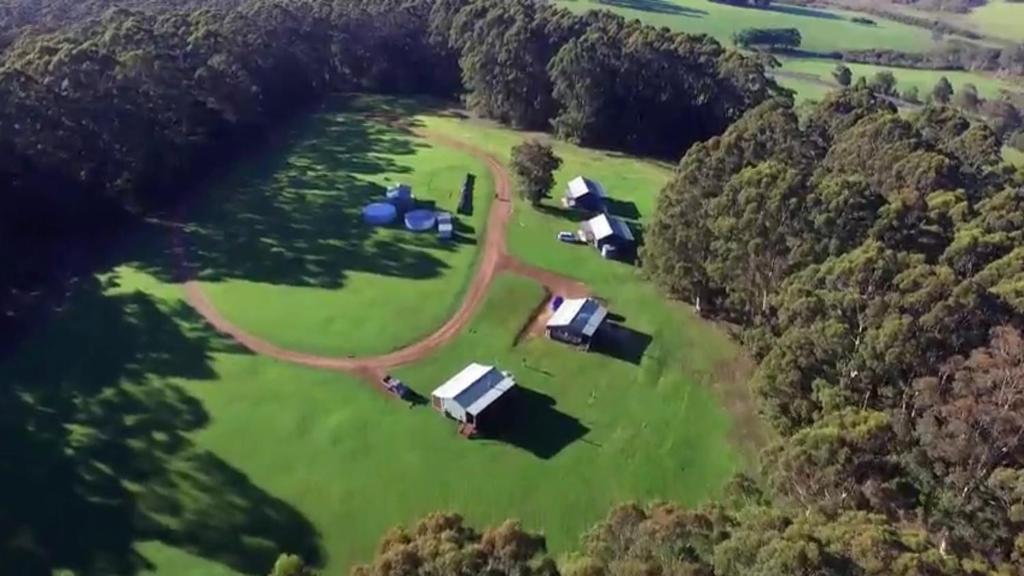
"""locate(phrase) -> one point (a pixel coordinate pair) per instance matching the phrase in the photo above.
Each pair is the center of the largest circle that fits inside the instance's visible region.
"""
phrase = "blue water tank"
(420, 220)
(379, 214)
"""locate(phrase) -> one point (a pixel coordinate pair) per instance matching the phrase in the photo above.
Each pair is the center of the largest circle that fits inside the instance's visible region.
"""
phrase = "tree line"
(1002, 114)
(875, 263)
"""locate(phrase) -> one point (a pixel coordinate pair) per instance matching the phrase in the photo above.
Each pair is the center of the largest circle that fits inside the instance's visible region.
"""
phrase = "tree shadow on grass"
(98, 455)
(657, 6)
(802, 11)
(562, 212)
(530, 420)
(292, 215)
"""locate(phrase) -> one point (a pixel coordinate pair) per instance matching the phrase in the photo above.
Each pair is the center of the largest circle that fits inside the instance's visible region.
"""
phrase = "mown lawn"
(822, 30)
(167, 450)
(283, 251)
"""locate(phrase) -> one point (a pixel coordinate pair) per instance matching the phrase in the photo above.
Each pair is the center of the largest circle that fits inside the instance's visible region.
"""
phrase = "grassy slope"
(207, 460)
(998, 18)
(285, 254)
(1013, 156)
(822, 30)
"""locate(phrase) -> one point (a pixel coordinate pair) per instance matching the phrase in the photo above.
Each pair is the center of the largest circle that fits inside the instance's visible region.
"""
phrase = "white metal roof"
(464, 379)
(580, 186)
(604, 226)
(566, 312)
(583, 315)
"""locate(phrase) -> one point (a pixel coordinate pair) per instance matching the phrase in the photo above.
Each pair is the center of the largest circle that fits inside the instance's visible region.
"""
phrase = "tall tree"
(943, 91)
(534, 164)
(842, 75)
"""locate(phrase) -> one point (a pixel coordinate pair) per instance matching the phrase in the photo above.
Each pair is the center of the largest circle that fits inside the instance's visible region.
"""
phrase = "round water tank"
(420, 220)
(379, 214)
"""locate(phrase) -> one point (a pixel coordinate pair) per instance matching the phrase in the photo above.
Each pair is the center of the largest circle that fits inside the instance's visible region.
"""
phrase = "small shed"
(576, 321)
(445, 225)
(469, 393)
(400, 196)
(604, 230)
(584, 194)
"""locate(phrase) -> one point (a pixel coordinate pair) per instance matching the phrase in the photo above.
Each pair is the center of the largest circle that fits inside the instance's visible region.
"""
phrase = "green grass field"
(999, 18)
(284, 253)
(1013, 156)
(925, 80)
(822, 30)
(170, 451)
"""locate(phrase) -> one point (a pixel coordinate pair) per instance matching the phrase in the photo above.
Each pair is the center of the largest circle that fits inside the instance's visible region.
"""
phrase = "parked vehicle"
(395, 386)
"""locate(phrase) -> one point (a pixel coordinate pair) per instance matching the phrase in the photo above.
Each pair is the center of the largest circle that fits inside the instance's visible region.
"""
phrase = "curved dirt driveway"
(493, 259)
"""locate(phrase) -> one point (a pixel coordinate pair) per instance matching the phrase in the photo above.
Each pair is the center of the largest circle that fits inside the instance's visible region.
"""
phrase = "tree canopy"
(874, 261)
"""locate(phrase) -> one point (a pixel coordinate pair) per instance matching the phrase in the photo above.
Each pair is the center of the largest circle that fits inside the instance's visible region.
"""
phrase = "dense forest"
(875, 262)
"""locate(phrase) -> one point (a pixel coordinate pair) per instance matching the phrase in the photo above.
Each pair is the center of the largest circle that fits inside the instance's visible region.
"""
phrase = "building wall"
(566, 336)
(453, 409)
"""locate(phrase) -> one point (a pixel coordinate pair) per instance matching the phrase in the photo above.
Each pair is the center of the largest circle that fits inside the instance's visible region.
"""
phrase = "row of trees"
(874, 261)
(1001, 114)
(950, 56)
(599, 79)
(743, 536)
(771, 38)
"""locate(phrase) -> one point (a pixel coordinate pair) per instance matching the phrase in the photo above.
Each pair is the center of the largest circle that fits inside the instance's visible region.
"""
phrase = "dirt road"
(493, 259)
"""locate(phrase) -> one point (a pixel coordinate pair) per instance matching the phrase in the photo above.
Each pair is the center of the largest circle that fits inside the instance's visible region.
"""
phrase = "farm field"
(822, 30)
(283, 253)
(924, 80)
(1000, 18)
(192, 456)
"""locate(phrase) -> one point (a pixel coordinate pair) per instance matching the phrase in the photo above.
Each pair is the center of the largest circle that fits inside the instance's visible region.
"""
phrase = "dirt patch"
(536, 321)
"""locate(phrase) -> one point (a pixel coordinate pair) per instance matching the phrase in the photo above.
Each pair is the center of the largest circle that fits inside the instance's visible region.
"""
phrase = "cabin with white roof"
(584, 194)
(576, 321)
(469, 393)
(605, 230)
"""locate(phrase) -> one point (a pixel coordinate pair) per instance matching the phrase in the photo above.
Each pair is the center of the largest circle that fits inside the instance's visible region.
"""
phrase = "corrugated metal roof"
(464, 379)
(566, 312)
(582, 316)
(476, 387)
(581, 186)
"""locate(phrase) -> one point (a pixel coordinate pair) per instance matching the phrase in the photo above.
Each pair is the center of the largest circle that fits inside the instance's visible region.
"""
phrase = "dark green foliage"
(534, 164)
(774, 38)
(943, 91)
(865, 251)
(843, 75)
(649, 90)
(884, 82)
(443, 544)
